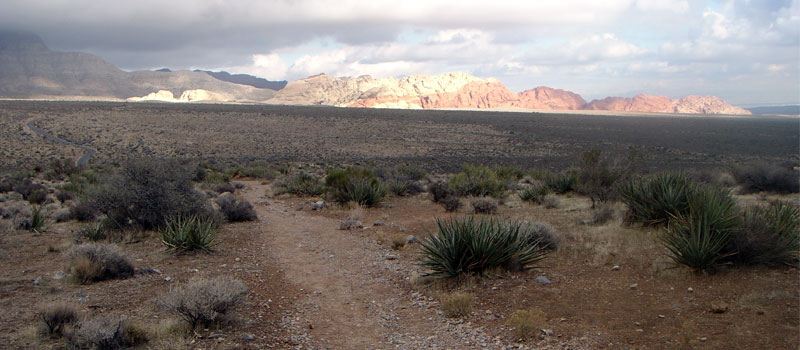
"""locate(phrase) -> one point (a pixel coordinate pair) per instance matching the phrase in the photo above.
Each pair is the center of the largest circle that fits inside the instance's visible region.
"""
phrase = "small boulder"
(543, 280)
(350, 224)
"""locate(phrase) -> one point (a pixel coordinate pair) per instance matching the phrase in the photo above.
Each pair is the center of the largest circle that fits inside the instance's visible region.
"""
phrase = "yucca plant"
(464, 245)
(562, 183)
(94, 232)
(38, 219)
(769, 235)
(398, 187)
(534, 193)
(363, 191)
(700, 238)
(655, 200)
(190, 233)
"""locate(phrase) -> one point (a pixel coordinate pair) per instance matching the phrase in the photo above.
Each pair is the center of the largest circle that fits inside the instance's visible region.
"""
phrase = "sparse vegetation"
(93, 232)
(534, 193)
(540, 234)
(234, 209)
(107, 333)
(599, 174)
(561, 183)
(466, 246)
(53, 318)
(764, 177)
(201, 302)
(37, 221)
(94, 262)
(477, 180)
(189, 234)
(654, 201)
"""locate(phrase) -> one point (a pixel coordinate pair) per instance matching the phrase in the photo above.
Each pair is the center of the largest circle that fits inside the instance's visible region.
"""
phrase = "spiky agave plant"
(700, 238)
(770, 235)
(183, 233)
(464, 245)
(38, 219)
(655, 200)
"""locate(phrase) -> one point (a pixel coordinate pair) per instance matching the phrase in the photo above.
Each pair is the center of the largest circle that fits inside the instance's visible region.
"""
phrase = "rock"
(350, 224)
(247, 337)
(391, 257)
(616, 268)
(543, 280)
(62, 215)
(148, 271)
(690, 290)
(411, 239)
(168, 279)
(634, 286)
(377, 223)
(719, 307)
(38, 280)
(547, 332)
(59, 275)
(661, 104)
(318, 205)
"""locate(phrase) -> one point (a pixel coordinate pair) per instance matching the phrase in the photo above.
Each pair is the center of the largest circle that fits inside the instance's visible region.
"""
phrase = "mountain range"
(28, 69)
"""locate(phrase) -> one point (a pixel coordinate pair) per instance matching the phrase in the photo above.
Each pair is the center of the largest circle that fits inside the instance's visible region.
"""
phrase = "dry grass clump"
(551, 201)
(202, 302)
(602, 214)
(94, 262)
(540, 234)
(527, 324)
(456, 304)
(107, 332)
(53, 318)
(760, 177)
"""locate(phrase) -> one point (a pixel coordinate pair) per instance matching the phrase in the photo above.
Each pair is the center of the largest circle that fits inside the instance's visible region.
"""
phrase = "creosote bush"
(189, 234)
(562, 183)
(54, 317)
(477, 180)
(484, 206)
(94, 262)
(769, 235)
(302, 184)
(466, 246)
(598, 174)
(235, 210)
(107, 333)
(146, 193)
(442, 193)
(201, 302)
(451, 203)
(355, 185)
(761, 177)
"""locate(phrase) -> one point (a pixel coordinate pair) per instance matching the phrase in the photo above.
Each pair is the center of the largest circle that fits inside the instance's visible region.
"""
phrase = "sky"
(745, 51)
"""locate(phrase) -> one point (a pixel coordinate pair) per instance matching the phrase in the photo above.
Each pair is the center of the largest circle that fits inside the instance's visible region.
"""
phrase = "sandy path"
(355, 298)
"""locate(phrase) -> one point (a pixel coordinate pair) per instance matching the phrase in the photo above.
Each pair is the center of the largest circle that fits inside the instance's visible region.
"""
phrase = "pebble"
(411, 239)
(391, 257)
(719, 307)
(616, 268)
(548, 332)
(59, 275)
(37, 280)
(168, 279)
(690, 290)
(635, 286)
(377, 223)
(543, 280)
(248, 337)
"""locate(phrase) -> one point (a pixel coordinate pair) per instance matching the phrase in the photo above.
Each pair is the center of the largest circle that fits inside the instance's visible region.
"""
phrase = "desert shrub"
(399, 188)
(356, 185)
(83, 210)
(215, 177)
(599, 174)
(602, 214)
(509, 172)
(27, 187)
(653, 201)
(769, 235)
(700, 238)
(540, 234)
(61, 168)
(259, 172)
(551, 201)
(534, 193)
(54, 317)
(764, 177)
(300, 185)
(561, 183)
(146, 193)
(441, 190)
(201, 302)
(188, 234)
(107, 333)
(464, 245)
(236, 210)
(478, 181)
(527, 324)
(38, 196)
(94, 262)
(79, 182)
(484, 206)
(64, 196)
(6, 186)
(451, 203)
(222, 187)
(456, 304)
(411, 173)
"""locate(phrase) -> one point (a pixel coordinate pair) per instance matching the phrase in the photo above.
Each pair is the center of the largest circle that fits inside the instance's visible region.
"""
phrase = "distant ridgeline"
(779, 110)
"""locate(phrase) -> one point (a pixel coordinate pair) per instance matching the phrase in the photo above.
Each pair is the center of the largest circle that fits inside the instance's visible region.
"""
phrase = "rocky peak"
(21, 42)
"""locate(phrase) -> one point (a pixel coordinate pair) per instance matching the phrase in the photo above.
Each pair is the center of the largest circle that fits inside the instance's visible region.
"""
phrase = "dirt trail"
(88, 152)
(354, 295)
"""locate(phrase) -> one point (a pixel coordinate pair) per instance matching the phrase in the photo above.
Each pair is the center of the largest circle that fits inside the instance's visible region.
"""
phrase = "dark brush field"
(436, 140)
